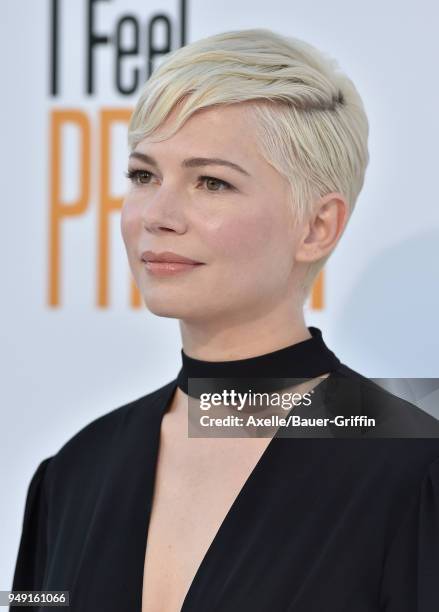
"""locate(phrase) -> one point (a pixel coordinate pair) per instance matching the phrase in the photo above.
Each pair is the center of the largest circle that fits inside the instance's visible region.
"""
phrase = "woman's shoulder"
(92, 447)
(395, 461)
(398, 447)
(391, 415)
(101, 429)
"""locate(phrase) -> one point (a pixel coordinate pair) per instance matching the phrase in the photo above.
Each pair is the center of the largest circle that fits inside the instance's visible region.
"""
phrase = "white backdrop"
(66, 363)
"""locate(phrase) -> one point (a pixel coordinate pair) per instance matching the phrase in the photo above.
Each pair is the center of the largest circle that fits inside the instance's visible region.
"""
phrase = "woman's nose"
(163, 211)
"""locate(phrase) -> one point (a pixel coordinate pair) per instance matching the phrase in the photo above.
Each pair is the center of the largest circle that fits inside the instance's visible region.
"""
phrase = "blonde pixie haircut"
(309, 119)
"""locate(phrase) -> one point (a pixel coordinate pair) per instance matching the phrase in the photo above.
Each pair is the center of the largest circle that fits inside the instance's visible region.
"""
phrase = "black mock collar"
(306, 359)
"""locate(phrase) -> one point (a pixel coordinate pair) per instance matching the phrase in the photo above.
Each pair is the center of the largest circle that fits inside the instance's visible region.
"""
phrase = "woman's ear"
(324, 228)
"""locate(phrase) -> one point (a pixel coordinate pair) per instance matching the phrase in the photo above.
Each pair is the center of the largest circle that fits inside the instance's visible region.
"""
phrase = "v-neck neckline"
(269, 449)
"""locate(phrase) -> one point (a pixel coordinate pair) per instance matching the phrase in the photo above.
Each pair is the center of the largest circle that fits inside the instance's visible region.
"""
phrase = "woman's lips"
(167, 268)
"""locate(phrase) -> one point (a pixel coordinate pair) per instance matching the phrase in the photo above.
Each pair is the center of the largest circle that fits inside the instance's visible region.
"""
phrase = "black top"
(306, 359)
(334, 523)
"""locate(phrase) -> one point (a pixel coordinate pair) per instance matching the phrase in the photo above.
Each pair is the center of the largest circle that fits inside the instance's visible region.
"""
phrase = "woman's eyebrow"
(192, 162)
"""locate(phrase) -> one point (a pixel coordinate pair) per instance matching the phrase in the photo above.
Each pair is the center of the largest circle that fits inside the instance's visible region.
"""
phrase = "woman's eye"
(138, 177)
(142, 177)
(210, 179)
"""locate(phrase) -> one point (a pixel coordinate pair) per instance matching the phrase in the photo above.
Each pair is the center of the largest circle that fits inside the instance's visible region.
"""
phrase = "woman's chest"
(310, 517)
(196, 484)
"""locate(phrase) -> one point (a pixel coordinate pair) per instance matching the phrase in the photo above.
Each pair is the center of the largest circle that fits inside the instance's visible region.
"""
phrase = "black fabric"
(321, 523)
(306, 359)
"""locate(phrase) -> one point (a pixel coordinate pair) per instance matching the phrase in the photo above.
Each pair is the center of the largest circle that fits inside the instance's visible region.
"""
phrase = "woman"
(247, 153)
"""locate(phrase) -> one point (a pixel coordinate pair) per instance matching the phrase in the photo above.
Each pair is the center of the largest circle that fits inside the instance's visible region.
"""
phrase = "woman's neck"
(213, 342)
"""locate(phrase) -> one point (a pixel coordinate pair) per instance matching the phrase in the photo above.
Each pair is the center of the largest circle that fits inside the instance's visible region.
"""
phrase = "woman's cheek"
(241, 238)
(129, 221)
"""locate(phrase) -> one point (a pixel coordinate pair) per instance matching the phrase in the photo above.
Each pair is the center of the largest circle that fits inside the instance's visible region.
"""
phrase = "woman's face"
(236, 222)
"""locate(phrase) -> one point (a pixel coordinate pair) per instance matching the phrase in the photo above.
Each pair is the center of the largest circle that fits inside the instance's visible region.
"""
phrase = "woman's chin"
(169, 307)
